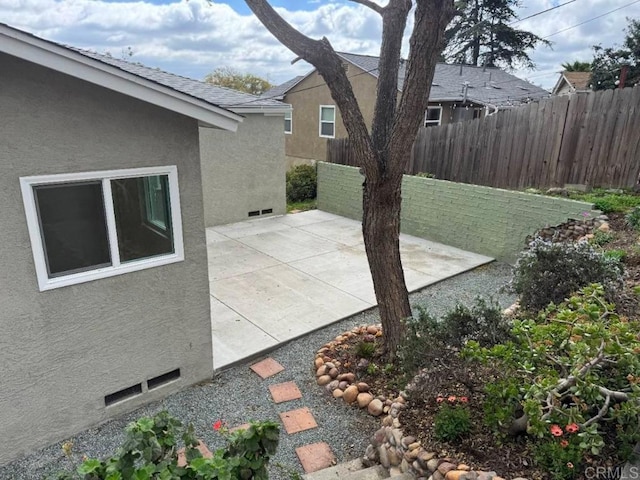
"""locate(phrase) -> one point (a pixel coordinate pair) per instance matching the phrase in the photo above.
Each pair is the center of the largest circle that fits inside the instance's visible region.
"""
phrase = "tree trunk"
(381, 229)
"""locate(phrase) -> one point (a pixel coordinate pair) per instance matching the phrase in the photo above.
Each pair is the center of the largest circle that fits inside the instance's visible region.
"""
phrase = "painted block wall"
(62, 351)
(243, 171)
(484, 220)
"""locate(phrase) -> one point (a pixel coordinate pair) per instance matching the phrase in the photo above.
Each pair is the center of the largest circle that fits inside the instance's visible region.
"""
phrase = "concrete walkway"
(276, 278)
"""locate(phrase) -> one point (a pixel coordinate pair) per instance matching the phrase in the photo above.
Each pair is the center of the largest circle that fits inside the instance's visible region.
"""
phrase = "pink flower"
(451, 398)
(555, 430)
(564, 443)
(218, 425)
(463, 399)
(439, 399)
(572, 428)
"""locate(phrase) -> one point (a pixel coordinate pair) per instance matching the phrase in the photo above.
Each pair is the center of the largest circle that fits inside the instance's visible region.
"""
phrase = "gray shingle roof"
(486, 86)
(279, 91)
(220, 96)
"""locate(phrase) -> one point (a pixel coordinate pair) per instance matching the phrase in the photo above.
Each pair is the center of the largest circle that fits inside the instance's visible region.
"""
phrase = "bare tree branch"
(322, 56)
(431, 16)
(368, 3)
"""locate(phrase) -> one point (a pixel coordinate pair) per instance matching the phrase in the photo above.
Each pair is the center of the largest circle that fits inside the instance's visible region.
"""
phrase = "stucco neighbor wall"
(485, 220)
(243, 172)
(63, 350)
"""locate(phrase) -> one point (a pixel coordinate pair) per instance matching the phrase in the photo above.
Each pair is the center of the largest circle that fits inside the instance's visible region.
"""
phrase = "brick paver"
(284, 392)
(298, 420)
(182, 458)
(316, 456)
(267, 368)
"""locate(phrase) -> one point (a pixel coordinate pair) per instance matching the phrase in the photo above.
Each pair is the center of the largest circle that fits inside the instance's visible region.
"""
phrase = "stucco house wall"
(243, 172)
(63, 350)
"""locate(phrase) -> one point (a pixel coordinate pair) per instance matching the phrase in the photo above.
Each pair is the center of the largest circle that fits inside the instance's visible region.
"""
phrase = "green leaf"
(89, 466)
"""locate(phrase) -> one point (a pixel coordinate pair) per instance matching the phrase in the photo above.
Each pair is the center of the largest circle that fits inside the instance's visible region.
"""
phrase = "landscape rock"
(337, 393)
(375, 407)
(350, 393)
(364, 399)
(324, 379)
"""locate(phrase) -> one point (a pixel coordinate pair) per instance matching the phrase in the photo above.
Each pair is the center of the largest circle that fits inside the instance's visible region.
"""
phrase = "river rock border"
(388, 446)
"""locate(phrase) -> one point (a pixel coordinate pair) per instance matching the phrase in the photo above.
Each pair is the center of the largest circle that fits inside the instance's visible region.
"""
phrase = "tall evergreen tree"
(480, 34)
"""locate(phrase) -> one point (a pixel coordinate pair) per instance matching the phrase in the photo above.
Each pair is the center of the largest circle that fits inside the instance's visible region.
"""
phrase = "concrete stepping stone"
(284, 392)
(299, 420)
(315, 457)
(267, 368)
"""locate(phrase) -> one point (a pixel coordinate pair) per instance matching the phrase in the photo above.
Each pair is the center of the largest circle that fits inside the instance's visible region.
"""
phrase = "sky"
(194, 37)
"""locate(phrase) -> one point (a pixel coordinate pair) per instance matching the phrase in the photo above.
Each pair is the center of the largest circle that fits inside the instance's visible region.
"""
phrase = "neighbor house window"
(288, 122)
(433, 116)
(327, 121)
(85, 226)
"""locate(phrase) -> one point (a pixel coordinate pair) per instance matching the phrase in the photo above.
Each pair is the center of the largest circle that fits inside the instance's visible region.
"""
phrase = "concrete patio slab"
(274, 279)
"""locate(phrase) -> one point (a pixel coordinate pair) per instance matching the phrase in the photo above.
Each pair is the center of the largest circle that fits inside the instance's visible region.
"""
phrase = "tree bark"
(385, 153)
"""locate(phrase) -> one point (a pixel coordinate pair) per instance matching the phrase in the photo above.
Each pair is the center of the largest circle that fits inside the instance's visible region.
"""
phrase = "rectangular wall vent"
(123, 394)
(163, 379)
(267, 210)
(254, 213)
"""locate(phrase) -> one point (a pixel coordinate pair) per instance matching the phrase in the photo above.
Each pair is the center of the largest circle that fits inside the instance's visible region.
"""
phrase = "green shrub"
(452, 422)
(633, 218)
(550, 272)
(609, 202)
(150, 451)
(617, 255)
(601, 238)
(425, 335)
(578, 371)
(301, 183)
(365, 349)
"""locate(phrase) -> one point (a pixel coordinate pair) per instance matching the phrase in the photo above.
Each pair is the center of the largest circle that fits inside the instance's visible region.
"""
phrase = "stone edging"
(388, 446)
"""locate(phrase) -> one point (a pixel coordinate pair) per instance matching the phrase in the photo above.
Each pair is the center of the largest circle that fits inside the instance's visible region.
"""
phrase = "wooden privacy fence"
(589, 139)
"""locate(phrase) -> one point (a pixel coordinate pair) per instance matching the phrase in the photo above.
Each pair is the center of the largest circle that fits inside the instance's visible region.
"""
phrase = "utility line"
(592, 19)
(541, 12)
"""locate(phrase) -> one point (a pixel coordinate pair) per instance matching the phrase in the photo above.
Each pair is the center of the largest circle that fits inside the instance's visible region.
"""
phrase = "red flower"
(555, 430)
(452, 398)
(572, 428)
(463, 399)
(218, 425)
(564, 443)
(439, 399)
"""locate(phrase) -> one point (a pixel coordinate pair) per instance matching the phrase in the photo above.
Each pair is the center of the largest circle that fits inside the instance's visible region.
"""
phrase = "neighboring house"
(572, 82)
(458, 92)
(243, 172)
(105, 294)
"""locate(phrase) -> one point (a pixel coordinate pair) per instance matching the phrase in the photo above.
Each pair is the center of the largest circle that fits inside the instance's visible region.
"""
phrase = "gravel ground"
(238, 395)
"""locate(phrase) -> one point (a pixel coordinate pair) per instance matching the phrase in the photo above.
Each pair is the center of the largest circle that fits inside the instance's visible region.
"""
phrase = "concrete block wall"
(485, 220)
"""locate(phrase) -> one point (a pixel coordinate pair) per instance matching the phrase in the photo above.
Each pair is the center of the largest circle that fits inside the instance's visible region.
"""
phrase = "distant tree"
(576, 66)
(608, 63)
(243, 82)
(480, 34)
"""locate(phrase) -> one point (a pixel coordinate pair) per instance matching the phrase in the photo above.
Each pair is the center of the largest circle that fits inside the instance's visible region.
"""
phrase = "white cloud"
(194, 37)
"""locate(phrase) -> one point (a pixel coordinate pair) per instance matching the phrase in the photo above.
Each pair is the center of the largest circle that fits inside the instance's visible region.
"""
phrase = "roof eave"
(69, 62)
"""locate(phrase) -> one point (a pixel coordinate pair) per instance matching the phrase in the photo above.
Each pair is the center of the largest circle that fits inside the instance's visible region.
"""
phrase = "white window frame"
(432, 122)
(288, 116)
(116, 268)
(332, 107)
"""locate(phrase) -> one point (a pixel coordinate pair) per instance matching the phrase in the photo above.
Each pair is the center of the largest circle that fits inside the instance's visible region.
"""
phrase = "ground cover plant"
(150, 451)
(548, 392)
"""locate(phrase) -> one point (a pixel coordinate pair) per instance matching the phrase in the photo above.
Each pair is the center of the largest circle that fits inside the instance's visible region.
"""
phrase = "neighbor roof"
(95, 69)
(577, 81)
(486, 86)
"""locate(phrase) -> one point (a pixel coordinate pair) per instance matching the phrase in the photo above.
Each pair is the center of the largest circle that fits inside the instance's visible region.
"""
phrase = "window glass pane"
(73, 226)
(433, 114)
(287, 125)
(143, 217)
(326, 129)
(327, 114)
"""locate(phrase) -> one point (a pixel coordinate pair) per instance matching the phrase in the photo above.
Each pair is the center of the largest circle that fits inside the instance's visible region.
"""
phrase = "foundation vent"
(267, 210)
(254, 213)
(163, 379)
(123, 394)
